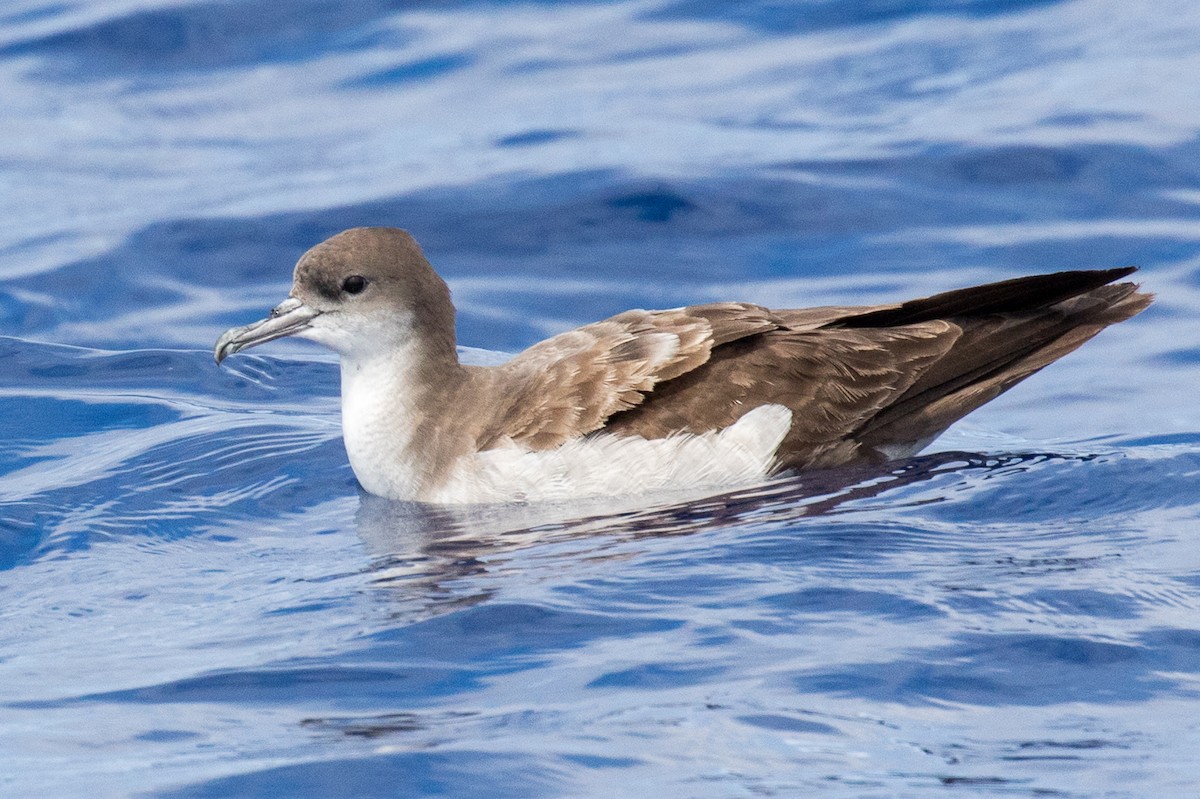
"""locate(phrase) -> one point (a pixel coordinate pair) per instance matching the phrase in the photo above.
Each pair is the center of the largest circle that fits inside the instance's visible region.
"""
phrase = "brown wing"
(862, 383)
(569, 385)
(834, 382)
(871, 383)
(995, 352)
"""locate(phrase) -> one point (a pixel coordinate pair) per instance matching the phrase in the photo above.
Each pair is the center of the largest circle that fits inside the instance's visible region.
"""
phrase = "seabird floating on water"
(706, 395)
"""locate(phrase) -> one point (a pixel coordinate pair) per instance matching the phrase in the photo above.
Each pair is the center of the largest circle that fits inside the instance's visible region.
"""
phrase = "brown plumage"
(862, 383)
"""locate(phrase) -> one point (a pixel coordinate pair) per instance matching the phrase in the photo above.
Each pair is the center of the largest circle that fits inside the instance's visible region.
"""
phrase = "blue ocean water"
(196, 600)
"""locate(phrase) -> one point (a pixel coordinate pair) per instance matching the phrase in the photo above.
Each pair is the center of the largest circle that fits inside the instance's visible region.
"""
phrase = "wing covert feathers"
(862, 383)
(572, 383)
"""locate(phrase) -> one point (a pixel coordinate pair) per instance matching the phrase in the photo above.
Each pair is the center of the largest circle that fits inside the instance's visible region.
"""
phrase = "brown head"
(361, 292)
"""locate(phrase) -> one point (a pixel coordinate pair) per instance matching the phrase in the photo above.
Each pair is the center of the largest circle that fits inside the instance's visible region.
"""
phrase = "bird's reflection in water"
(432, 551)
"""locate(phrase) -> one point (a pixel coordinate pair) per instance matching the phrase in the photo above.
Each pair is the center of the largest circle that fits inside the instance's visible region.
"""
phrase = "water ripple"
(184, 552)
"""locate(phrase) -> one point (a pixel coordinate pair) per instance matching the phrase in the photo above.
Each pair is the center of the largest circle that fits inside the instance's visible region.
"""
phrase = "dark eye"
(354, 284)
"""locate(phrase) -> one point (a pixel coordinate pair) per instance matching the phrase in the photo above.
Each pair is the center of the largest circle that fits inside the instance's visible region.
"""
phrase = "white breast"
(379, 419)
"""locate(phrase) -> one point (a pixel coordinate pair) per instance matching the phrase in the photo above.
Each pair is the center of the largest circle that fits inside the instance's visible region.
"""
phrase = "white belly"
(611, 465)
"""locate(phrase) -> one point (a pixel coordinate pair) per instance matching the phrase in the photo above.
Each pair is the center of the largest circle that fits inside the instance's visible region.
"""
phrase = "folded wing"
(864, 383)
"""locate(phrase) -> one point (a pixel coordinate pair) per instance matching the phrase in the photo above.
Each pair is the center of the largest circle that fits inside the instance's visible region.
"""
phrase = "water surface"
(197, 601)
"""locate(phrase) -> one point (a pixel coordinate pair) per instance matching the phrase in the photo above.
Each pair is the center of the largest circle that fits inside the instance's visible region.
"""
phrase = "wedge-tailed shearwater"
(707, 395)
